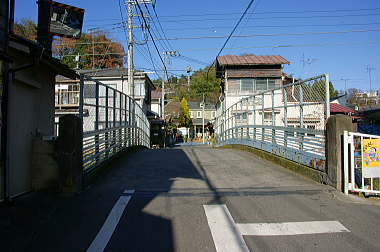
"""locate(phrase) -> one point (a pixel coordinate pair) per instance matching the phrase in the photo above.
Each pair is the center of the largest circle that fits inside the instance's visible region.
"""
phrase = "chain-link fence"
(112, 122)
(288, 121)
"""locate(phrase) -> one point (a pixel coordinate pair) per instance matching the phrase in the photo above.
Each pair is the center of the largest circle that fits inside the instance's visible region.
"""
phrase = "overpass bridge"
(195, 198)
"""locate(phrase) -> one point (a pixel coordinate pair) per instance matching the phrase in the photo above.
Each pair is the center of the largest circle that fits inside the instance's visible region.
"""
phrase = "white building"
(67, 91)
(245, 76)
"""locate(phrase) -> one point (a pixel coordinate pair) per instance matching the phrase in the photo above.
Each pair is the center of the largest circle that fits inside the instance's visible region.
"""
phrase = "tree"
(107, 53)
(317, 91)
(26, 28)
(184, 118)
(201, 83)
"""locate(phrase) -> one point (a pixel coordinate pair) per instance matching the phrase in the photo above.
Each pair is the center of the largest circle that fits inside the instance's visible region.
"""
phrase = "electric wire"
(154, 43)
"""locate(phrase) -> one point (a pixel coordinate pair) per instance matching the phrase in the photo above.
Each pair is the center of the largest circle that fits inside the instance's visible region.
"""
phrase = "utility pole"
(203, 117)
(345, 84)
(369, 70)
(131, 79)
(188, 70)
(165, 54)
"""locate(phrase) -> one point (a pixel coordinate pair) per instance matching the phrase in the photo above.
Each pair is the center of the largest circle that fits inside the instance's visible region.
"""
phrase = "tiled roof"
(251, 59)
(337, 108)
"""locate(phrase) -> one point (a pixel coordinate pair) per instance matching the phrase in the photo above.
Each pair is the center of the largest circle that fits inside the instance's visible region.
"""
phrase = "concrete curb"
(313, 174)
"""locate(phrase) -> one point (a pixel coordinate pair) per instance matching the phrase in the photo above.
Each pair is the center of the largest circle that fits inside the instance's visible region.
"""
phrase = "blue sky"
(336, 37)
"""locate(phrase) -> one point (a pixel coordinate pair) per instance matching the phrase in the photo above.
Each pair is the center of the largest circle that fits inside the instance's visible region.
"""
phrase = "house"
(196, 115)
(253, 76)
(155, 105)
(28, 120)
(67, 91)
(243, 76)
(173, 111)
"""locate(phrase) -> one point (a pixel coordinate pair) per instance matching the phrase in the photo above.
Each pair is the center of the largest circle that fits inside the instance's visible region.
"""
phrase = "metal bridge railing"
(112, 121)
(288, 121)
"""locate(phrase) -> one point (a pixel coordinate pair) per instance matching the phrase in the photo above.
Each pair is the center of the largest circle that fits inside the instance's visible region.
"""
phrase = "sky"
(339, 38)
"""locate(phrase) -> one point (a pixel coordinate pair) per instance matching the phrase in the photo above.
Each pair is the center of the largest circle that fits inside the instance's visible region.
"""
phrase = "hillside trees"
(107, 53)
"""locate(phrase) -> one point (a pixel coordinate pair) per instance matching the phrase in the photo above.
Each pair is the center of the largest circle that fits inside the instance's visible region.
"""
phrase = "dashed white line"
(129, 191)
(105, 233)
(291, 228)
(228, 235)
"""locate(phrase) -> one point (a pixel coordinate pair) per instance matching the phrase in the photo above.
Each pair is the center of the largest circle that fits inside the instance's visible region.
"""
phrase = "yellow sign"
(371, 153)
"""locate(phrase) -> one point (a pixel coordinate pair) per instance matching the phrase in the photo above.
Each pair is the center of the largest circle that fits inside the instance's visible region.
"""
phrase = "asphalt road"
(168, 210)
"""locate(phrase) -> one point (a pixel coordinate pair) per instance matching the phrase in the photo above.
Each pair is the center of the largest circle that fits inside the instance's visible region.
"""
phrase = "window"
(233, 86)
(213, 114)
(191, 114)
(268, 118)
(312, 127)
(199, 114)
(246, 85)
(271, 83)
(261, 84)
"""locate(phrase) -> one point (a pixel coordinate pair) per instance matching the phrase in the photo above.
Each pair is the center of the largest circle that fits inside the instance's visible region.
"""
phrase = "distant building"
(67, 91)
(156, 96)
(243, 76)
(196, 116)
(173, 111)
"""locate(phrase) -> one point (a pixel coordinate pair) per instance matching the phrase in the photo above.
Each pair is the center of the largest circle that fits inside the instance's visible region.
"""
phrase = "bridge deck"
(170, 209)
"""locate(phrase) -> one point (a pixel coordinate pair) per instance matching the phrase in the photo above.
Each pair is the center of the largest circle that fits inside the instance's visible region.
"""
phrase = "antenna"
(369, 69)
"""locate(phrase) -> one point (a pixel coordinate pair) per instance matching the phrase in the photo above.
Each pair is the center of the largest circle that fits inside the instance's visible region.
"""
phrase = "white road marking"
(228, 235)
(104, 235)
(223, 229)
(129, 191)
(291, 228)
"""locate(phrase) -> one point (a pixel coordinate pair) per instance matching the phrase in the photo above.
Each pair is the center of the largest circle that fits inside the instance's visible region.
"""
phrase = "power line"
(158, 52)
(251, 47)
(256, 13)
(246, 36)
(270, 26)
(281, 46)
(233, 30)
(271, 35)
(170, 48)
(261, 18)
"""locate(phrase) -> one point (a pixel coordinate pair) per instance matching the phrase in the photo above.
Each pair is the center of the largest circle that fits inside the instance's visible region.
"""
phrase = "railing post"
(130, 122)
(97, 121)
(254, 120)
(120, 137)
(125, 121)
(106, 143)
(327, 81)
(285, 118)
(262, 119)
(273, 121)
(114, 123)
(301, 117)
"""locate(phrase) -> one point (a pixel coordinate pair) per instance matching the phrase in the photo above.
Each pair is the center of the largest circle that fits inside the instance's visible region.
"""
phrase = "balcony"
(66, 99)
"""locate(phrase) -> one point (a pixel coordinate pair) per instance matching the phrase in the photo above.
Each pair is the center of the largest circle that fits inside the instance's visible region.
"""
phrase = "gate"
(288, 121)
(361, 163)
